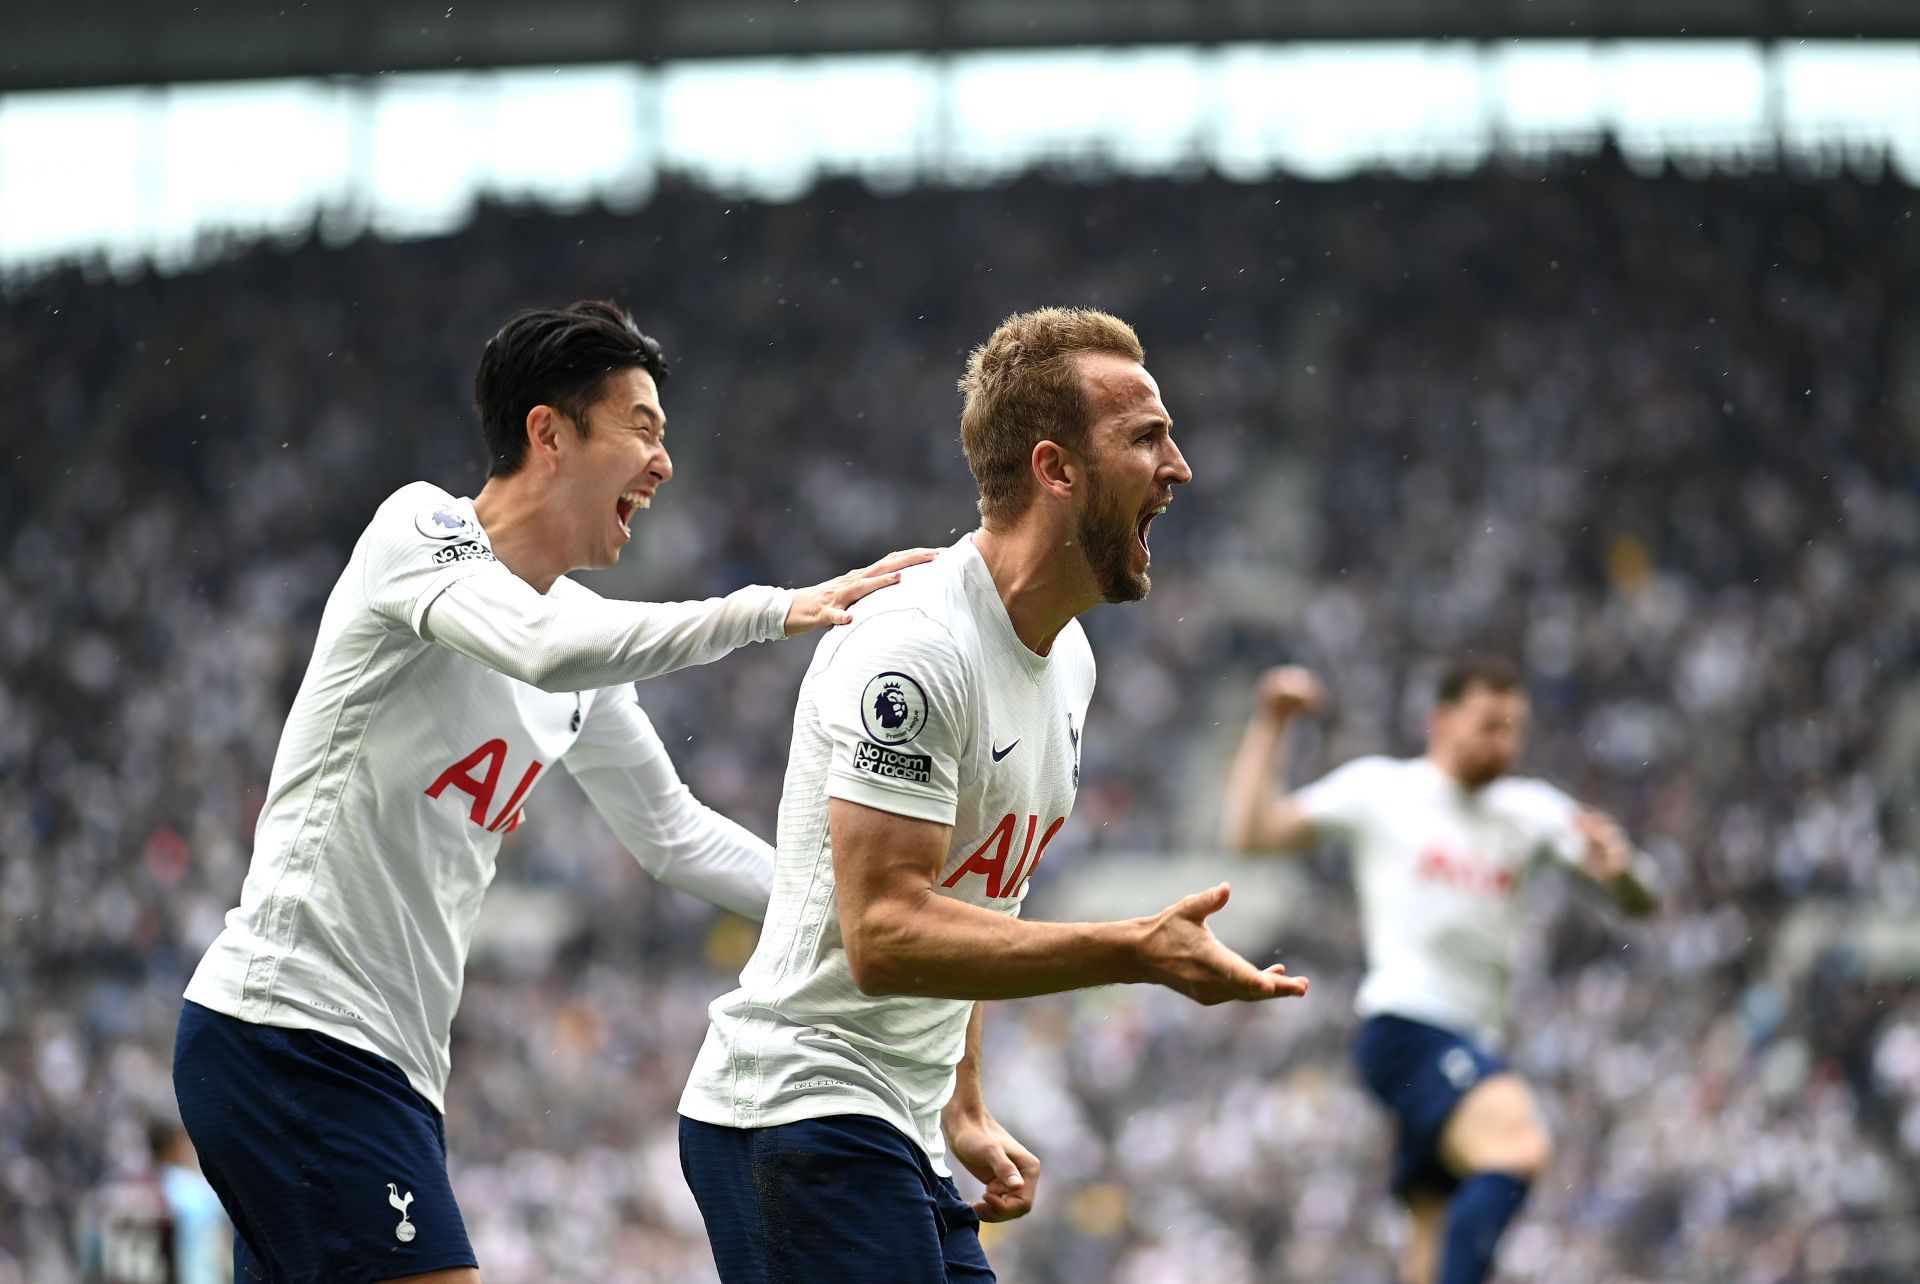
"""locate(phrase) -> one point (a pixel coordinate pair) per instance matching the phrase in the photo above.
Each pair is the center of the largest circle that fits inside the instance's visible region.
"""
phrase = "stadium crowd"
(1652, 435)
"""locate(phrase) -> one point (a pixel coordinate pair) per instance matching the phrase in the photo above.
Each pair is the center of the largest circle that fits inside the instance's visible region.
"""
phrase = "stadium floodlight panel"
(414, 154)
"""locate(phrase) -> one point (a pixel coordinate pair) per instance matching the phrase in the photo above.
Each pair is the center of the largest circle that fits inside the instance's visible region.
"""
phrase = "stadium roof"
(48, 44)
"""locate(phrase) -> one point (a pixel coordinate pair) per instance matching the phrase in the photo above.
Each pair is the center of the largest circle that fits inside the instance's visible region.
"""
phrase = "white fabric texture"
(569, 641)
(1438, 870)
(679, 839)
(403, 763)
(926, 706)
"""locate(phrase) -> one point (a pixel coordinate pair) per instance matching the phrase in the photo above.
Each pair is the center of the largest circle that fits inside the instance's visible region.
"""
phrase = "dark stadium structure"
(46, 44)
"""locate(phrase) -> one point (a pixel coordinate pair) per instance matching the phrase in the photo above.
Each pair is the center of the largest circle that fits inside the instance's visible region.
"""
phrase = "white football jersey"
(402, 765)
(1438, 870)
(928, 705)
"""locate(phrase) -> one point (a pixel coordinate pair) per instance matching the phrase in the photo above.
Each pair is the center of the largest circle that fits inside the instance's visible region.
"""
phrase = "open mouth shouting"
(1140, 529)
(630, 501)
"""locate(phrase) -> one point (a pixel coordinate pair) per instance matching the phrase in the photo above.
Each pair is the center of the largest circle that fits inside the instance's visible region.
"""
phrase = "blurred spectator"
(1654, 437)
(158, 1222)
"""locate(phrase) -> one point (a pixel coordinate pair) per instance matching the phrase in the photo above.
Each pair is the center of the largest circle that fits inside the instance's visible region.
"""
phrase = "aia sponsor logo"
(478, 776)
(1438, 865)
(995, 861)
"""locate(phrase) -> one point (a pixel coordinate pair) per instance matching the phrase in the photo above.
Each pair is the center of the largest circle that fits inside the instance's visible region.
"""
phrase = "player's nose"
(1173, 469)
(662, 466)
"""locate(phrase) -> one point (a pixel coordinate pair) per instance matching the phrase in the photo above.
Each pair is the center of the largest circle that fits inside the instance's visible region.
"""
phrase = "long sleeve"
(678, 839)
(571, 639)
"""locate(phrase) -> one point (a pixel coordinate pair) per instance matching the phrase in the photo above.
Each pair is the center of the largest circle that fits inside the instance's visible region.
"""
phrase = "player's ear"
(1057, 471)
(543, 434)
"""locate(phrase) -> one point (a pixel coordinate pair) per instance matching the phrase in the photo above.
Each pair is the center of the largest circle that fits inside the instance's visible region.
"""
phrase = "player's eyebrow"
(656, 419)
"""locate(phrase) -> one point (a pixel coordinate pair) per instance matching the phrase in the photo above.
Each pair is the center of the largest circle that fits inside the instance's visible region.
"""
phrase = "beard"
(1476, 771)
(1106, 538)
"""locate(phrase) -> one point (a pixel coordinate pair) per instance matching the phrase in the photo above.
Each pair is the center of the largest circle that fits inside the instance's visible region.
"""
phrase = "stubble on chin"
(1107, 545)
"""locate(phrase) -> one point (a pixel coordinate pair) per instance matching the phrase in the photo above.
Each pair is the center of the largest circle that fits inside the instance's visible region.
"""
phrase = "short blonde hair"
(1022, 388)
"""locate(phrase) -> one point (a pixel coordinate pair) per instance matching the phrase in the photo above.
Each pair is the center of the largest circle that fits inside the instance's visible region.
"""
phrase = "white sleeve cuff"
(773, 621)
(897, 800)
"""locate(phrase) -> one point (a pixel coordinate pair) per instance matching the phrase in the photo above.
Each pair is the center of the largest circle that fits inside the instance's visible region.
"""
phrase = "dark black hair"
(557, 357)
(1465, 672)
(160, 1136)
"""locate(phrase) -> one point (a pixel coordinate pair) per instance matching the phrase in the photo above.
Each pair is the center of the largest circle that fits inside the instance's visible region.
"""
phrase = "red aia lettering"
(1437, 865)
(1025, 872)
(1001, 840)
(510, 814)
(994, 865)
(481, 789)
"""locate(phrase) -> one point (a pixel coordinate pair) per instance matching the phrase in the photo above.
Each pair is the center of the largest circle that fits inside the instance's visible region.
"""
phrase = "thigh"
(332, 1168)
(844, 1199)
(1497, 1127)
(1421, 1073)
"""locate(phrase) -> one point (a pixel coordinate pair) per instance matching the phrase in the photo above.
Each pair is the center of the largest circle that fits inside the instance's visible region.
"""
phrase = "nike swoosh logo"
(998, 754)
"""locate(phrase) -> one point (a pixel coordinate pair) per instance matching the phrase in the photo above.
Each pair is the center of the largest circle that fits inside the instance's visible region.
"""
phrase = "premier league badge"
(893, 708)
(443, 521)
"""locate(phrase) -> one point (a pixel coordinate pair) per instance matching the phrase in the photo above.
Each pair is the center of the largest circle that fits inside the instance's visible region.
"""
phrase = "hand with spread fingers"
(1009, 1169)
(1183, 954)
(825, 605)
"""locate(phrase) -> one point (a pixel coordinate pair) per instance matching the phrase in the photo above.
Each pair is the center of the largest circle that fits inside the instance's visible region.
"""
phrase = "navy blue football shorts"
(1420, 1072)
(847, 1199)
(332, 1167)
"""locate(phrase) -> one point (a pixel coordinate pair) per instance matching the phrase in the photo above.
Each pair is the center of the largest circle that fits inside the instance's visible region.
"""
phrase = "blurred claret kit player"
(455, 663)
(936, 755)
(1440, 845)
(158, 1222)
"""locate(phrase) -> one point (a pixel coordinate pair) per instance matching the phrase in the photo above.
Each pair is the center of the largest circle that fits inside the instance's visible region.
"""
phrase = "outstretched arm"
(568, 642)
(1611, 861)
(578, 642)
(1009, 1169)
(1258, 817)
(903, 937)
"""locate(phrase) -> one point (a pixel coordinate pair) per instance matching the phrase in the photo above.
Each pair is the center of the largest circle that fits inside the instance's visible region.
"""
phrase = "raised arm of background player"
(1261, 818)
(574, 642)
(903, 937)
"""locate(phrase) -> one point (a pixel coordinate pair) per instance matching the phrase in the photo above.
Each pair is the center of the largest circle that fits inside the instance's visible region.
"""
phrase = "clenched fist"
(1288, 691)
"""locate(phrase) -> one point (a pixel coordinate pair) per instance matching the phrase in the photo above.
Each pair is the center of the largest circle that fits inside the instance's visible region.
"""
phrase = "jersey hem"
(701, 1110)
(282, 1017)
(1438, 1015)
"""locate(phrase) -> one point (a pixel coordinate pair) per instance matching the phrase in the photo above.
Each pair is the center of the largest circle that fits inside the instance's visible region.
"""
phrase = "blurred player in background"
(1440, 846)
(158, 1224)
(936, 754)
(455, 663)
